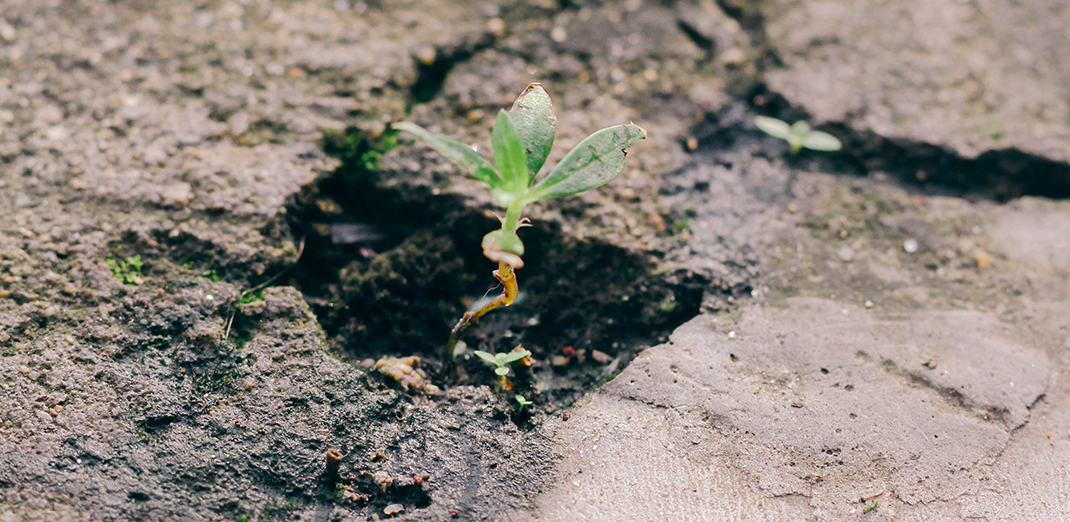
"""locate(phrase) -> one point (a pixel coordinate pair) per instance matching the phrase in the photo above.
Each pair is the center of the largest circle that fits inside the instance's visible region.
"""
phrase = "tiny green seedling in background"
(799, 135)
(521, 141)
(520, 399)
(127, 271)
(501, 361)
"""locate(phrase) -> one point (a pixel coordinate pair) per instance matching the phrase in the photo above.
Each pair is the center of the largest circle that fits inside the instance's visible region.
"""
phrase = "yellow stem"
(507, 277)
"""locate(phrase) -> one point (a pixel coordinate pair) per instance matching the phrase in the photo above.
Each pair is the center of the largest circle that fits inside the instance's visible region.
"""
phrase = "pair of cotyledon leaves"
(521, 141)
(501, 361)
(798, 135)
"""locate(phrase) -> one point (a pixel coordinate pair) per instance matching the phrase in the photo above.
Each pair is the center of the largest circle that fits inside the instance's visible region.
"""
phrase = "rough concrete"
(849, 381)
(917, 380)
(969, 76)
(179, 132)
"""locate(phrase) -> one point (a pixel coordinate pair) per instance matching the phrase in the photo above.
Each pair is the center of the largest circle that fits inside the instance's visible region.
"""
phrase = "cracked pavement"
(871, 345)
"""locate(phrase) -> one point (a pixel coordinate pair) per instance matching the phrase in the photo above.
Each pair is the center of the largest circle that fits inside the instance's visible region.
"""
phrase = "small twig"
(233, 310)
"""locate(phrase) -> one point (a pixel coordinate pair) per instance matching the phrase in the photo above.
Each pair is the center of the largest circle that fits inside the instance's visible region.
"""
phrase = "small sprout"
(127, 271)
(523, 402)
(799, 135)
(870, 505)
(501, 361)
(521, 140)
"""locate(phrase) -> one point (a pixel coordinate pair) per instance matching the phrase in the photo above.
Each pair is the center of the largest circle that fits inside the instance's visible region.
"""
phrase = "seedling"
(501, 361)
(127, 271)
(521, 140)
(798, 135)
(523, 402)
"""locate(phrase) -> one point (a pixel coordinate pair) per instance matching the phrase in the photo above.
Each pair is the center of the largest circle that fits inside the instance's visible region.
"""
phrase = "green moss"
(271, 509)
(359, 152)
(127, 271)
(252, 297)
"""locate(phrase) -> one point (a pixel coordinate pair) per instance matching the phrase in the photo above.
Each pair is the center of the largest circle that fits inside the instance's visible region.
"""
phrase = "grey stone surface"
(805, 408)
(969, 76)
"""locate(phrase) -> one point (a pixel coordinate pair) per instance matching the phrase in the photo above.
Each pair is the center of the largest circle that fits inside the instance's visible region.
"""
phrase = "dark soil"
(415, 264)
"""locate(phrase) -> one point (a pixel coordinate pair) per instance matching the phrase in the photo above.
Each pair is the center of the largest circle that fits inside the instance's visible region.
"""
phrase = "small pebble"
(733, 57)
(846, 253)
(910, 246)
(426, 55)
(382, 479)
(869, 304)
(393, 509)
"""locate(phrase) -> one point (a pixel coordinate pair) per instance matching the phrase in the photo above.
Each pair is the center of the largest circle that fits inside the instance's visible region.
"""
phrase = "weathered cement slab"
(969, 76)
(807, 408)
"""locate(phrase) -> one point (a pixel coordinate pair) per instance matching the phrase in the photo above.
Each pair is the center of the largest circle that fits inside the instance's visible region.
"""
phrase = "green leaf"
(509, 154)
(502, 371)
(522, 400)
(597, 160)
(459, 349)
(533, 115)
(457, 151)
(514, 356)
(487, 357)
(818, 140)
(797, 135)
(773, 127)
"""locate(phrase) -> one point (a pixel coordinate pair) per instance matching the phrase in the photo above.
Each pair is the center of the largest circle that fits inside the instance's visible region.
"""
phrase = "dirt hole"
(389, 273)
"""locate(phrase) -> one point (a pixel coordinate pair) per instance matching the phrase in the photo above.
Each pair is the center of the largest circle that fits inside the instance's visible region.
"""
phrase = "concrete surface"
(866, 350)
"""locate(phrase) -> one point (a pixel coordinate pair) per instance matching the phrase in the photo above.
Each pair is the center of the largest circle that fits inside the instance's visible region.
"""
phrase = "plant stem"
(512, 216)
(505, 275)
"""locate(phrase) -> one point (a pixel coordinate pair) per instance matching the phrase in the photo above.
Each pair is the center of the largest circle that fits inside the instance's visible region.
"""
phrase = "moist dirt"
(413, 265)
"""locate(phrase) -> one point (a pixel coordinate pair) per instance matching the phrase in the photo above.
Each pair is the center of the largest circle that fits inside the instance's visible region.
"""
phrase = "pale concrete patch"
(961, 75)
(630, 461)
(800, 412)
